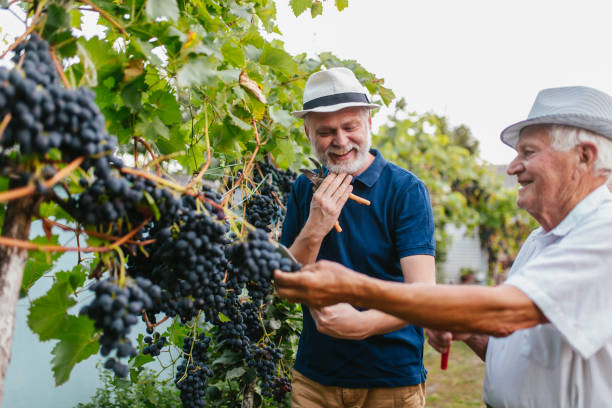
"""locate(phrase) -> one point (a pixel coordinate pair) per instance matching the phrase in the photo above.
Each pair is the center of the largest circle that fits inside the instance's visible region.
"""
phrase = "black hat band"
(336, 99)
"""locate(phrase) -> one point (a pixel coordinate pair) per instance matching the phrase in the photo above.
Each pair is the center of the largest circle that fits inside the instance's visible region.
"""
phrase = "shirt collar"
(370, 175)
(589, 204)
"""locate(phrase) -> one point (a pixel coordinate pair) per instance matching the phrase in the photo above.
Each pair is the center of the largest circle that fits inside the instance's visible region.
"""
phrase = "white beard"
(350, 168)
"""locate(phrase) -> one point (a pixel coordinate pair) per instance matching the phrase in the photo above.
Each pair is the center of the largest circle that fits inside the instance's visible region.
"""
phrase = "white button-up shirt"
(567, 273)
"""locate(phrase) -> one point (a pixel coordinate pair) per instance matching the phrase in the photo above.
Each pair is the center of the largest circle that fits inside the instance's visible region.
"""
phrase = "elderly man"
(348, 357)
(546, 334)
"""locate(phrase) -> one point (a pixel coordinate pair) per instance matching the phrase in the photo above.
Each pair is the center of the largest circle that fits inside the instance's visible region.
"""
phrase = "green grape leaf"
(48, 316)
(386, 94)
(341, 4)
(74, 278)
(77, 343)
(228, 357)
(316, 9)
(57, 17)
(253, 37)
(223, 318)
(75, 18)
(278, 59)
(168, 109)
(132, 95)
(235, 373)
(198, 71)
(162, 8)
(232, 52)
(142, 359)
(282, 117)
(300, 6)
(157, 128)
(38, 264)
(287, 152)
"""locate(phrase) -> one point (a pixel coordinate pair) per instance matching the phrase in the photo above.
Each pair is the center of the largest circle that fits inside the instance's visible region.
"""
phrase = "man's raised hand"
(327, 202)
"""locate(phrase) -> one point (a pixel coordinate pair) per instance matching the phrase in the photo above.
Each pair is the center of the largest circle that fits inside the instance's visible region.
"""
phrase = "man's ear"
(306, 131)
(587, 153)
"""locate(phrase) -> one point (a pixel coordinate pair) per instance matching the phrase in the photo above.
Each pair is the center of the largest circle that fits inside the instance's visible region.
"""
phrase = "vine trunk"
(17, 222)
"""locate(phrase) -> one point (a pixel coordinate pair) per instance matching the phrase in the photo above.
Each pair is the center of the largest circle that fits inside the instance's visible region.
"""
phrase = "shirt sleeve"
(571, 282)
(414, 229)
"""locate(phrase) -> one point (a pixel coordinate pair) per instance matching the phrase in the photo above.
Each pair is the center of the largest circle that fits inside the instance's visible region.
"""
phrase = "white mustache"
(343, 151)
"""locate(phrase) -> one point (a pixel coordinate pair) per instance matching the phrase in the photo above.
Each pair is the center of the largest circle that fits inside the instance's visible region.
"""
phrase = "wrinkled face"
(548, 178)
(341, 140)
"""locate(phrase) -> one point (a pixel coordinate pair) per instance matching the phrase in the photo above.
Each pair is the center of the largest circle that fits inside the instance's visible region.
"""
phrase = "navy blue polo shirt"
(398, 223)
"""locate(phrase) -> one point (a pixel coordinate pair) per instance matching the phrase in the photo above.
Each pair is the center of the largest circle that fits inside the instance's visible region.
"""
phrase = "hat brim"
(510, 135)
(334, 108)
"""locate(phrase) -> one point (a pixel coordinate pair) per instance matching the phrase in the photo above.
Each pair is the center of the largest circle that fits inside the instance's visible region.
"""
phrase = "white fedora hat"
(577, 106)
(331, 90)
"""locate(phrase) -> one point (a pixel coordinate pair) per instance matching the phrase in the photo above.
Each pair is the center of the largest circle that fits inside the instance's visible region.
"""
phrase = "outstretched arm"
(345, 322)
(460, 309)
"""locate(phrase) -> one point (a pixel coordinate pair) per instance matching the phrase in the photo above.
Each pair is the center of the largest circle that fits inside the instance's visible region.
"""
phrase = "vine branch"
(25, 191)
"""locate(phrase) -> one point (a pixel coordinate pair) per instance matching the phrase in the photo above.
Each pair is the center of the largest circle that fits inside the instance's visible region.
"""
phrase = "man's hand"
(441, 340)
(327, 203)
(342, 321)
(316, 285)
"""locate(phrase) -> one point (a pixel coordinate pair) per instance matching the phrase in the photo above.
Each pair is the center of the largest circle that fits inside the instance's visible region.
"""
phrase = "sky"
(478, 62)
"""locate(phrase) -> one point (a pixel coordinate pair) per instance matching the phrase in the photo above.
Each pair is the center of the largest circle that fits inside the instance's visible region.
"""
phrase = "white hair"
(564, 138)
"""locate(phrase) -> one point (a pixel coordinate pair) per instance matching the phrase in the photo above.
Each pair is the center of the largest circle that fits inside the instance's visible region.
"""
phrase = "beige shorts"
(307, 393)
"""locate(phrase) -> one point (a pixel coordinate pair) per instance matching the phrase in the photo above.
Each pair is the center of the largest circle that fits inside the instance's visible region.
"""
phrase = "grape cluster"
(192, 372)
(115, 310)
(154, 345)
(279, 180)
(37, 62)
(189, 264)
(254, 262)
(264, 358)
(280, 388)
(108, 200)
(215, 197)
(262, 211)
(46, 115)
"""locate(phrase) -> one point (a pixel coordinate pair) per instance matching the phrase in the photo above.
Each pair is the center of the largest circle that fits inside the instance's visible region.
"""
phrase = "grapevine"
(175, 258)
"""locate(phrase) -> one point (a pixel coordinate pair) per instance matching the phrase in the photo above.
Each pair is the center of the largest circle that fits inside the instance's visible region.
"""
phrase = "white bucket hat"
(331, 90)
(577, 106)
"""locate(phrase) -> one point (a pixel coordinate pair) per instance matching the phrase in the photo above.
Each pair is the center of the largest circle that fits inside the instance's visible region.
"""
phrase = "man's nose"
(515, 166)
(341, 138)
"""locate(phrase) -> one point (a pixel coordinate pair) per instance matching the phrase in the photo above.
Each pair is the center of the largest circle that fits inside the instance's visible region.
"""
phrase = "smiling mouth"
(524, 184)
(343, 156)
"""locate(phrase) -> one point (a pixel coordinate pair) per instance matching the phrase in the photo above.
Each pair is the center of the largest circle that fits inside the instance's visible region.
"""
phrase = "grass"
(460, 385)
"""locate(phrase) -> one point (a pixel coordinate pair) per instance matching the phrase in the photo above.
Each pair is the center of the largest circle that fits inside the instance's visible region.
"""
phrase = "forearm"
(306, 246)
(377, 322)
(470, 309)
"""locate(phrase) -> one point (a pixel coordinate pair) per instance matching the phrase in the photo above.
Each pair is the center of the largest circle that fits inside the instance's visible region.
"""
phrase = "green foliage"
(146, 391)
(464, 190)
